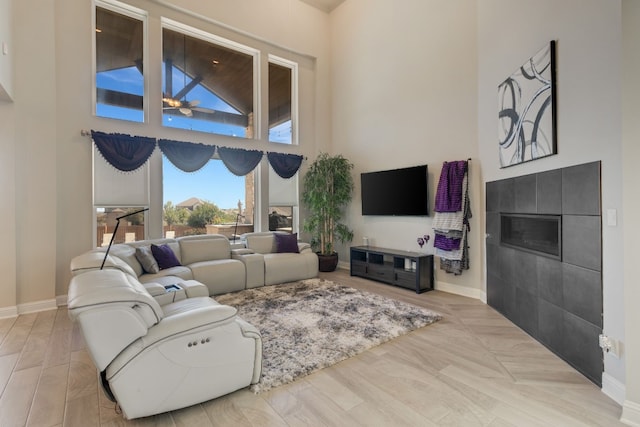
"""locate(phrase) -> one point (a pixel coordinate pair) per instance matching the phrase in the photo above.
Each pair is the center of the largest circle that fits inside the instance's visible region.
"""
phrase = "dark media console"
(411, 270)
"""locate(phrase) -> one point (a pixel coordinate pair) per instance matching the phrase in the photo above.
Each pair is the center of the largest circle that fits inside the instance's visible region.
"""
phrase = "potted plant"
(327, 189)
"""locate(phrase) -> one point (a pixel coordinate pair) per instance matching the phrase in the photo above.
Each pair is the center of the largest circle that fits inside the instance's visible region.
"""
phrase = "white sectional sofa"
(156, 357)
(210, 260)
(158, 339)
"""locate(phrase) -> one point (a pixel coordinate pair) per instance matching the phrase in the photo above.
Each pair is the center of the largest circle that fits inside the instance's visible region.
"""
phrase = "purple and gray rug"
(315, 323)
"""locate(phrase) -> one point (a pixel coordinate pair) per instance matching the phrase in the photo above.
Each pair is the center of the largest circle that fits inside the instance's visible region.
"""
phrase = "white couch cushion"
(221, 276)
(262, 243)
(288, 267)
(205, 247)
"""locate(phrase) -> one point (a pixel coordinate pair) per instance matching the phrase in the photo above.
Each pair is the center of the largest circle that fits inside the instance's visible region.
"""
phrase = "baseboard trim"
(34, 307)
(478, 294)
(631, 413)
(61, 300)
(344, 265)
(8, 312)
(613, 388)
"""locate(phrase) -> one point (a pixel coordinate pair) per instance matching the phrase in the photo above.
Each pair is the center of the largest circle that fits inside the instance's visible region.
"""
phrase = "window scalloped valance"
(285, 165)
(124, 152)
(239, 161)
(186, 156)
(128, 153)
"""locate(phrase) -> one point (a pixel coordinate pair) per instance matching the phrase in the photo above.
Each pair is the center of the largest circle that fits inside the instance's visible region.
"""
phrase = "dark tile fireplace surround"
(555, 297)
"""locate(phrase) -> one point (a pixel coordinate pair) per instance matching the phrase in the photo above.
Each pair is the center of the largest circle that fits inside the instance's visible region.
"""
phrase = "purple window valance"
(285, 165)
(186, 156)
(239, 162)
(124, 152)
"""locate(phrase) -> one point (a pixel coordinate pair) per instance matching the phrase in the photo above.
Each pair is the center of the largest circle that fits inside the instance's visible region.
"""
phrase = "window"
(208, 201)
(129, 229)
(282, 76)
(208, 84)
(283, 202)
(227, 87)
(119, 59)
(281, 218)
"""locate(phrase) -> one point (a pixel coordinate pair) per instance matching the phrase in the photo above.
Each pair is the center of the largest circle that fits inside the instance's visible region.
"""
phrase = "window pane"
(119, 70)
(280, 104)
(208, 201)
(130, 229)
(281, 218)
(206, 86)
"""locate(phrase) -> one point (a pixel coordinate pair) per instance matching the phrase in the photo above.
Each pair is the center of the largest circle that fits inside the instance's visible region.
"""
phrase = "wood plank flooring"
(473, 368)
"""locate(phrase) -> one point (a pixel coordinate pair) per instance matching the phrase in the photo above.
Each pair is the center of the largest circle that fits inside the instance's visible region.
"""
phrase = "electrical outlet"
(604, 342)
(609, 345)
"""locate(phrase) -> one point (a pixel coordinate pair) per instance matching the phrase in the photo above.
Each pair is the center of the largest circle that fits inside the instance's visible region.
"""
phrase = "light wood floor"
(473, 368)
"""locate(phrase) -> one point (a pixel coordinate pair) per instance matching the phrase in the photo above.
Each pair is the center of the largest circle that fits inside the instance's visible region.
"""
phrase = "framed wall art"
(526, 117)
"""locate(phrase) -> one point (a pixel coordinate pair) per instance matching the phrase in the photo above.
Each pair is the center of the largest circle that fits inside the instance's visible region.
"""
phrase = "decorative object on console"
(423, 240)
(526, 119)
(327, 189)
(312, 324)
(451, 221)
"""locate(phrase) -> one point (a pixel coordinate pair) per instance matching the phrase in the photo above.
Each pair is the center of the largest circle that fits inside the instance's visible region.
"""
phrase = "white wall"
(35, 151)
(8, 211)
(404, 94)
(631, 204)
(588, 35)
(6, 51)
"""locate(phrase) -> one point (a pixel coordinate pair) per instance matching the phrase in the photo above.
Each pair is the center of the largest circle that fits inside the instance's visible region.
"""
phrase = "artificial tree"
(327, 190)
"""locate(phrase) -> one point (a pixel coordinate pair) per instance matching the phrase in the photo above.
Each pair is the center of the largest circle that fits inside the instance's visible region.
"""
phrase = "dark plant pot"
(327, 263)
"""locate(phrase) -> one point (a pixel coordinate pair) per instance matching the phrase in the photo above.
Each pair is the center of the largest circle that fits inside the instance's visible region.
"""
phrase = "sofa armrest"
(188, 320)
(154, 289)
(237, 253)
(193, 288)
(250, 331)
(304, 247)
(254, 267)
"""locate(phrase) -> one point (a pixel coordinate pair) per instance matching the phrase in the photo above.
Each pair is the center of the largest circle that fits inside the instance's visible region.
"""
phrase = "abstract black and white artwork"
(526, 118)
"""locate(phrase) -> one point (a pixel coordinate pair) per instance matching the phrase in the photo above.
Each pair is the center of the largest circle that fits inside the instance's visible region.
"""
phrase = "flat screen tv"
(401, 192)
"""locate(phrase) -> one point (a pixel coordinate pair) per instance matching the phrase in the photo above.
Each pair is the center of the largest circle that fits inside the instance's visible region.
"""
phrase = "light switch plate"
(612, 217)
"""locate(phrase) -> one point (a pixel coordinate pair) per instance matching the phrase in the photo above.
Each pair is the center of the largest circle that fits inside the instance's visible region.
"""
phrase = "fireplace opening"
(540, 234)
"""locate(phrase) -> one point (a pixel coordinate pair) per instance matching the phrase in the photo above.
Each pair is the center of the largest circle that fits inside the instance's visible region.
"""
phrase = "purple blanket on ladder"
(449, 192)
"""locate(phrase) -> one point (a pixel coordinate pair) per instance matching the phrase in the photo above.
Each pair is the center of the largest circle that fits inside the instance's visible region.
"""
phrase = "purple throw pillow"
(164, 256)
(287, 243)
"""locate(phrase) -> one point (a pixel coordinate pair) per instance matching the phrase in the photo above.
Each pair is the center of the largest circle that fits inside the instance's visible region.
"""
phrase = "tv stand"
(411, 270)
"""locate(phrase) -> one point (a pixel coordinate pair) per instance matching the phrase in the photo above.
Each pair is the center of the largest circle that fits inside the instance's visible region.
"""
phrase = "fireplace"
(544, 260)
(539, 234)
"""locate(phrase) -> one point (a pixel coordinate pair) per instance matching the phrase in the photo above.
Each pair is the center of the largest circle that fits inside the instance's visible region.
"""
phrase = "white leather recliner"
(155, 358)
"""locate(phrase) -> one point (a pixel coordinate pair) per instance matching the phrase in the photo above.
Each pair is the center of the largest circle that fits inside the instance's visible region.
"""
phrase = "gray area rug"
(315, 323)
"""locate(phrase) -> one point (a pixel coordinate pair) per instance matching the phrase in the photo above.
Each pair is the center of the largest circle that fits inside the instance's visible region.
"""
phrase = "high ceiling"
(324, 5)
(222, 71)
